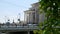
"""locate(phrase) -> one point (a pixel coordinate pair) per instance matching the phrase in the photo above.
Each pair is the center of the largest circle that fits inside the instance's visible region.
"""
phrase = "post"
(28, 32)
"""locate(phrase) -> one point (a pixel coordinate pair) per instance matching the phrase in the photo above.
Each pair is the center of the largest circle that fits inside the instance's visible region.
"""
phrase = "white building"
(29, 16)
(33, 15)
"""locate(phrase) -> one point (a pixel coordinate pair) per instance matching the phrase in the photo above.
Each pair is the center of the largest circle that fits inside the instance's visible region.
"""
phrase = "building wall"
(28, 16)
(41, 17)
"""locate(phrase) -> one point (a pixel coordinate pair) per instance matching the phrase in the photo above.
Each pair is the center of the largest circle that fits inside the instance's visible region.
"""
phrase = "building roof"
(35, 4)
(28, 11)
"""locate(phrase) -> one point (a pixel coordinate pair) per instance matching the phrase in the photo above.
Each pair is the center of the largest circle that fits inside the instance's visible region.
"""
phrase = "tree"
(51, 8)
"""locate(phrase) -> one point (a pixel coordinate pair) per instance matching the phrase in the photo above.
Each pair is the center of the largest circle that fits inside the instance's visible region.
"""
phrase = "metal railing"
(20, 28)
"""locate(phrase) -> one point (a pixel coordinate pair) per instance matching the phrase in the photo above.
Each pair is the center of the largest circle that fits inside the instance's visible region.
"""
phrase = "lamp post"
(19, 19)
(5, 18)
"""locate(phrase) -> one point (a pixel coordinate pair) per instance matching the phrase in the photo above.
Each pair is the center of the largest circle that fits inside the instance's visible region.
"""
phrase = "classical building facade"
(33, 15)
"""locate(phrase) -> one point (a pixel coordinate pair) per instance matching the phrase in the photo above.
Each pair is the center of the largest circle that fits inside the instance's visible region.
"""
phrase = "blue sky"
(11, 9)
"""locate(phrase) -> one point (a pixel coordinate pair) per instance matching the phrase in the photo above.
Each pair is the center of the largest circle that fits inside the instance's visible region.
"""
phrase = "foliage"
(51, 8)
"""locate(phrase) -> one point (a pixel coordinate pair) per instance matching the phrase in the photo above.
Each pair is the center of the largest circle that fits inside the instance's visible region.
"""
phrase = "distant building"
(32, 15)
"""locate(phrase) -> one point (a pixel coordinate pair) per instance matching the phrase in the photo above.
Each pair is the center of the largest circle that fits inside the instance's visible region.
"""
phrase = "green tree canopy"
(51, 8)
